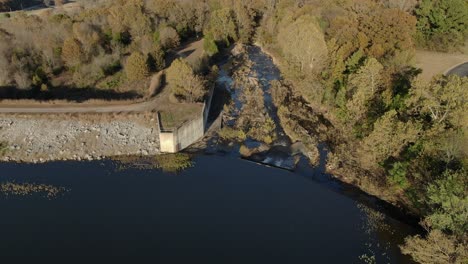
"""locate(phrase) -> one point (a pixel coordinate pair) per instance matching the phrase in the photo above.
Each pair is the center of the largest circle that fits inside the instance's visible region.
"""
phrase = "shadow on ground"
(67, 93)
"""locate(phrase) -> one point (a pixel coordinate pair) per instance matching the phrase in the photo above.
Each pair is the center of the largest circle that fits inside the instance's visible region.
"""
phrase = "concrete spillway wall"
(175, 140)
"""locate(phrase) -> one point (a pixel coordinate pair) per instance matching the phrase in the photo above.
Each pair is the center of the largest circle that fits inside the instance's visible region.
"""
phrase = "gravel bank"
(63, 137)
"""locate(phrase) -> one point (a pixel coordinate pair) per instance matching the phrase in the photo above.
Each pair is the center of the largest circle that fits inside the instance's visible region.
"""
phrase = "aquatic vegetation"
(374, 223)
(174, 162)
(25, 189)
(167, 162)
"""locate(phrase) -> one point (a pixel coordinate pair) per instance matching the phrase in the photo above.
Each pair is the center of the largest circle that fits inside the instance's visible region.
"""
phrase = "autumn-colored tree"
(87, 35)
(245, 17)
(303, 43)
(168, 37)
(136, 67)
(129, 16)
(363, 86)
(154, 52)
(437, 248)
(388, 31)
(72, 53)
(185, 84)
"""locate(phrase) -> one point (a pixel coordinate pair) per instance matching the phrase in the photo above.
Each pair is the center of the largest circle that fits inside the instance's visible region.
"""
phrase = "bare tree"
(22, 79)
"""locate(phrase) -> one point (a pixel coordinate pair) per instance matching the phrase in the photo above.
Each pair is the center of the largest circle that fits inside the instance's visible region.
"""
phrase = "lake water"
(223, 210)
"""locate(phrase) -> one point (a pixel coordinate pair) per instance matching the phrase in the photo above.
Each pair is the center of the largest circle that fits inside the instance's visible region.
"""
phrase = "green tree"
(209, 45)
(389, 137)
(136, 67)
(223, 26)
(444, 99)
(449, 197)
(185, 84)
(442, 24)
(397, 175)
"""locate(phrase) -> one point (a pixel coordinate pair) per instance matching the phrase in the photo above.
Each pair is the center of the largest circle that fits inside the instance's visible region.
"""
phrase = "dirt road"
(79, 108)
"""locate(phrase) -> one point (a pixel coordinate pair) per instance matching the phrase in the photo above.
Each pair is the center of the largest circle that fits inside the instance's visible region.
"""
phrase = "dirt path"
(79, 108)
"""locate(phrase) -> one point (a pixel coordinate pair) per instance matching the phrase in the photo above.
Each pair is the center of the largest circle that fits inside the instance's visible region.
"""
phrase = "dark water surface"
(224, 210)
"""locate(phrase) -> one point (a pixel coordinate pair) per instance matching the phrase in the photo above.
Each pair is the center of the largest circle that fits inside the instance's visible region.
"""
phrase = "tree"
(87, 35)
(169, 38)
(209, 45)
(364, 86)
(245, 18)
(389, 137)
(303, 43)
(437, 248)
(442, 24)
(5, 71)
(222, 25)
(154, 51)
(443, 99)
(388, 31)
(184, 82)
(23, 80)
(136, 67)
(72, 53)
(449, 198)
(129, 16)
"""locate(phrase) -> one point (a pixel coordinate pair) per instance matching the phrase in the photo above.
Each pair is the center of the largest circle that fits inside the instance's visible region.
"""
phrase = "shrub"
(136, 67)
(209, 45)
(184, 82)
(169, 38)
(231, 134)
(397, 175)
(72, 53)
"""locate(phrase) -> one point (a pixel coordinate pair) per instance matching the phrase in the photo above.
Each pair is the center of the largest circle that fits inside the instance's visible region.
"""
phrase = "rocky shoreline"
(43, 138)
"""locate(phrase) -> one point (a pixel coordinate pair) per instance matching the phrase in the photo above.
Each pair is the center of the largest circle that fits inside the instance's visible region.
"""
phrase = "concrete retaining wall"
(175, 140)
